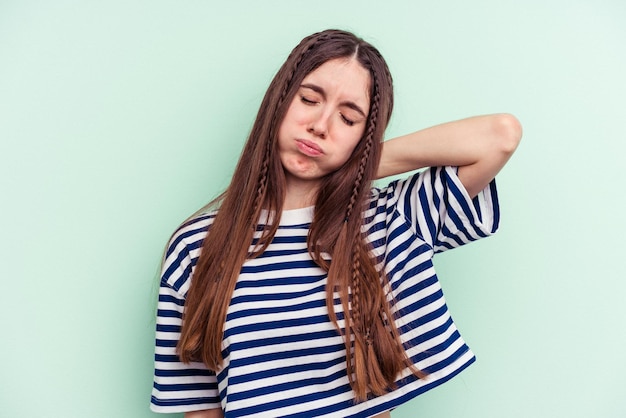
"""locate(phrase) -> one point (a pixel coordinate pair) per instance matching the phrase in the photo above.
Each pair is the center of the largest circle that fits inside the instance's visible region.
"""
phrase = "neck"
(300, 194)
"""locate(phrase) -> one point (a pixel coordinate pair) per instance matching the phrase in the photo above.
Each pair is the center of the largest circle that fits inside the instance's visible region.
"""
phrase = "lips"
(309, 148)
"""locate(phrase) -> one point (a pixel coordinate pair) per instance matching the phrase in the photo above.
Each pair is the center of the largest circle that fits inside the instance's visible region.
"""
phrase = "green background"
(120, 118)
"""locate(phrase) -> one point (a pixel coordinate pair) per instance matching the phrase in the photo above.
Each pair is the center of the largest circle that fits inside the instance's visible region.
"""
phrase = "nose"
(319, 125)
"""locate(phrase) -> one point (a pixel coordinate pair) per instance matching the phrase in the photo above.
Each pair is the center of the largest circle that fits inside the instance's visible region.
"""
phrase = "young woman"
(306, 292)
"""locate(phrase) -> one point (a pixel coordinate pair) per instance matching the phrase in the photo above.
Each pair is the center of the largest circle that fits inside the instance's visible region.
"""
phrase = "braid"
(316, 39)
(263, 178)
(366, 152)
(357, 275)
(357, 316)
(262, 183)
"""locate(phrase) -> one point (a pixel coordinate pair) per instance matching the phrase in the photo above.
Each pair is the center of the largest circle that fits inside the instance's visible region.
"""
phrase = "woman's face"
(324, 122)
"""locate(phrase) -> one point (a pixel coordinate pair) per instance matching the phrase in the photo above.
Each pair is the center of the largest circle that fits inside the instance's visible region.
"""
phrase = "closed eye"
(347, 121)
(306, 100)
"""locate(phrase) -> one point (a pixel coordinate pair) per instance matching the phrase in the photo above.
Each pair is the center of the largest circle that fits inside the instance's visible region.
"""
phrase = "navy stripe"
(275, 296)
(185, 402)
(283, 339)
(264, 326)
(167, 358)
(272, 356)
(300, 264)
(416, 287)
(280, 281)
(167, 328)
(260, 391)
(277, 310)
(166, 343)
(164, 298)
(166, 313)
(184, 373)
(495, 208)
(292, 239)
(282, 403)
(179, 387)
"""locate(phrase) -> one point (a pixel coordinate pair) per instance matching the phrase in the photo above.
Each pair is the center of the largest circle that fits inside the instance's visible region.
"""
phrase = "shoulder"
(183, 250)
(388, 195)
(191, 232)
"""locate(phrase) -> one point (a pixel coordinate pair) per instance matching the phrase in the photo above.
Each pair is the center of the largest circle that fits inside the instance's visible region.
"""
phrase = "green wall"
(120, 118)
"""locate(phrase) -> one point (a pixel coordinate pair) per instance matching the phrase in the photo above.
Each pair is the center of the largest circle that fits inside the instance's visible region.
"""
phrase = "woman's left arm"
(479, 146)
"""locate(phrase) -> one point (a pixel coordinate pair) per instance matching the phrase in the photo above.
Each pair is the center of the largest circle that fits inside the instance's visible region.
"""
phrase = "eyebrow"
(346, 103)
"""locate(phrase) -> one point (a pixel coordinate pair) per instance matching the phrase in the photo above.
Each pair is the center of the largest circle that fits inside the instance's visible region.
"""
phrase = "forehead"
(343, 79)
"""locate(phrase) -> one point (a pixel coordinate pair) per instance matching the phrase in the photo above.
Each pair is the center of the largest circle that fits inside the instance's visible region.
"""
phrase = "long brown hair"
(259, 183)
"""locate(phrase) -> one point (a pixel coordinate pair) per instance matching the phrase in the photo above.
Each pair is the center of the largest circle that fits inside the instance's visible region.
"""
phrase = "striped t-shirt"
(282, 355)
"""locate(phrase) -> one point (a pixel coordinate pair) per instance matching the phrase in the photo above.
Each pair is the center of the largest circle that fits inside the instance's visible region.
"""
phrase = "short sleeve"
(178, 386)
(440, 211)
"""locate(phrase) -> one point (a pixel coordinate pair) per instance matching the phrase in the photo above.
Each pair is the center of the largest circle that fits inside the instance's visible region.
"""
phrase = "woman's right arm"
(479, 146)
(207, 413)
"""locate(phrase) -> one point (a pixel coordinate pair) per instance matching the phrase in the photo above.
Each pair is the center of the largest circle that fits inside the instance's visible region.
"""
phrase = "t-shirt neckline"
(291, 216)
